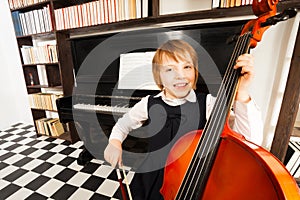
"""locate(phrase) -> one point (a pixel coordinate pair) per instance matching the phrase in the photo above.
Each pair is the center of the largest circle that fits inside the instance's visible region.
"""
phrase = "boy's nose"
(180, 74)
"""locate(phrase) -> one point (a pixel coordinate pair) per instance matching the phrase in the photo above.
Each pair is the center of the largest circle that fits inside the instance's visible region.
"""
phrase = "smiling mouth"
(180, 84)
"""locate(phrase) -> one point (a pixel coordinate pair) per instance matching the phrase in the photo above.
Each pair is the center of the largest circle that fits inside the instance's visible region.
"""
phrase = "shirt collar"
(191, 97)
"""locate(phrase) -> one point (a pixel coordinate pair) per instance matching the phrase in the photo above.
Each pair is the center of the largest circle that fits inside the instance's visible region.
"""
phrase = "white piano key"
(113, 109)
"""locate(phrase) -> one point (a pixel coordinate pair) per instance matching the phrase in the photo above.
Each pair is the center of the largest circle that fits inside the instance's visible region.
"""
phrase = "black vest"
(165, 125)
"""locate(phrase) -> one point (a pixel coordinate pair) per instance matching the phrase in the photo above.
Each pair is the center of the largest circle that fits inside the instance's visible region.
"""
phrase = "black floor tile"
(93, 183)
(37, 183)
(9, 190)
(65, 175)
(64, 192)
(42, 167)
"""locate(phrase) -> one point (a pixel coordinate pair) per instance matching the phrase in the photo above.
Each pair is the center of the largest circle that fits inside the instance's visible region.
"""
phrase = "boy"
(177, 110)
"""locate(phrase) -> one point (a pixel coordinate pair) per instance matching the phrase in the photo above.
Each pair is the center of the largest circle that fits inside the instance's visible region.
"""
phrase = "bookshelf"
(59, 72)
(44, 76)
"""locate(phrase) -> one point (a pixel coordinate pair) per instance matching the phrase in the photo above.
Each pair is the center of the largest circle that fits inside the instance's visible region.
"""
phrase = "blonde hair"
(176, 50)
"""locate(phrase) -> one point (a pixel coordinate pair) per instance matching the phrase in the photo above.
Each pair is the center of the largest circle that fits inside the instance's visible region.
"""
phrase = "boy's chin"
(182, 94)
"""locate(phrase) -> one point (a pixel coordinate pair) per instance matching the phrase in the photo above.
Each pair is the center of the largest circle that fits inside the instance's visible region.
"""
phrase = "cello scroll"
(266, 13)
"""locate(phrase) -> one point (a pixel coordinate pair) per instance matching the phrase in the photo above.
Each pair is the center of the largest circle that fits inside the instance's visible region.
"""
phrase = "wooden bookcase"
(44, 75)
(60, 74)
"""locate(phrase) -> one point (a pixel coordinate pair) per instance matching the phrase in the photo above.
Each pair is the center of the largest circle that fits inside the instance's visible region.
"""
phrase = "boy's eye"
(188, 67)
(168, 69)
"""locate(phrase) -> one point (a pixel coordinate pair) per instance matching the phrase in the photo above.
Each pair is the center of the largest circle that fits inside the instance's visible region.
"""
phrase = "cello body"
(219, 164)
(241, 170)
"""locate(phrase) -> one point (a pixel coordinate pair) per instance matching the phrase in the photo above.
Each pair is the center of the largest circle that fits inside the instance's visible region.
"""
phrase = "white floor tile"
(6, 144)
(20, 149)
(53, 171)
(81, 194)
(37, 153)
(41, 144)
(26, 178)
(56, 158)
(58, 148)
(7, 170)
(78, 179)
(103, 171)
(3, 183)
(23, 193)
(108, 187)
(32, 164)
(49, 188)
(14, 158)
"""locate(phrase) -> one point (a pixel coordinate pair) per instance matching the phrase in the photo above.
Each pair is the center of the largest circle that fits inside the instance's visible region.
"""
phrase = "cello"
(217, 163)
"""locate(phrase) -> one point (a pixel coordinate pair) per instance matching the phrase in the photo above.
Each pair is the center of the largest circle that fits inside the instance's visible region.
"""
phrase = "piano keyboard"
(102, 108)
(293, 157)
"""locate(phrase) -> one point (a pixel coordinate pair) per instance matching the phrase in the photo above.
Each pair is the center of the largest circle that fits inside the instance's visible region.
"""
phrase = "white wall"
(273, 56)
(171, 6)
(14, 106)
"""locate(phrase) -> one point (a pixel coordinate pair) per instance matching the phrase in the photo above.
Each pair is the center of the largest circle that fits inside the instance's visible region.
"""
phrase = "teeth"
(180, 84)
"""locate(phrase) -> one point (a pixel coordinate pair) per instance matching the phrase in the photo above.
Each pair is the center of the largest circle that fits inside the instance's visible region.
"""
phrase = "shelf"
(44, 86)
(39, 109)
(65, 136)
(34, 64)
(50, 35)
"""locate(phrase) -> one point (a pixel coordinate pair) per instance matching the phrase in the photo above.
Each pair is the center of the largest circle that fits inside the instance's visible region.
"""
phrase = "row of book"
(230, 3)
(49, 126)
(39, 54)
(15, 4)
(32, 22)
(100, 12)
(45, 101)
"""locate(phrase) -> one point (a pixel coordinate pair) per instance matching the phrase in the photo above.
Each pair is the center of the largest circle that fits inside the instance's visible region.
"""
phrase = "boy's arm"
(245, 119)
(131, 120)
(248, 121)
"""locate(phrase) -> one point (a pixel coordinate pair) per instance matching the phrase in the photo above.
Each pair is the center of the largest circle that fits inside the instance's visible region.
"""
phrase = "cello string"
(226, 91)
(217, 124)
(204, 135)
(231, 80)
(228, 76)
(209, 147)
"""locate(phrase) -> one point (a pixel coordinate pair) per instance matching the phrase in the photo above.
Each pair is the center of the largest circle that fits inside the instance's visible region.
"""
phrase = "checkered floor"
(45, 168)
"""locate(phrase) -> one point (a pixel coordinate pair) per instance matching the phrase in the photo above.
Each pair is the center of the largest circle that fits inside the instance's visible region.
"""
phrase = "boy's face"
(177, 77)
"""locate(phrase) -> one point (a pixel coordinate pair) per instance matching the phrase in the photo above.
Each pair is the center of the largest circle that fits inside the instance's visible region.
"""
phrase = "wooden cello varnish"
(231, 168)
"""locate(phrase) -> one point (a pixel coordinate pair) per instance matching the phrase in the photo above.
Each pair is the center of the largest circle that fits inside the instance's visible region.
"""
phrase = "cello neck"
(226, 93)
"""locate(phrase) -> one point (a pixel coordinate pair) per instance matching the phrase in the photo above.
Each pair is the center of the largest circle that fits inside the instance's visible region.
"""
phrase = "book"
(17, 23)
(57, 128)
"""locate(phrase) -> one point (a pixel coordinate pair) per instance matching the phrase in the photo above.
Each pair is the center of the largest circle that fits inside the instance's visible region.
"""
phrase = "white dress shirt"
(246, 117)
